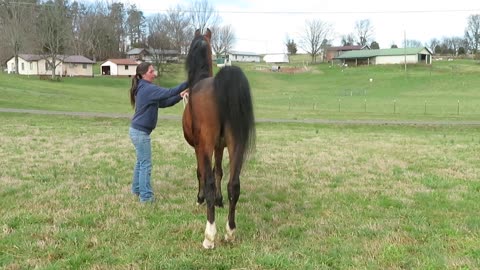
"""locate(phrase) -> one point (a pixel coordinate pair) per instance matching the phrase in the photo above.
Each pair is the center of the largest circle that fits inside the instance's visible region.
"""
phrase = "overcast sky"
(262, 26)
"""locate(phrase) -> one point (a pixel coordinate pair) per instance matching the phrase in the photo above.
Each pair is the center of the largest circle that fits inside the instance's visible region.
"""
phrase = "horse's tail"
(234, 100)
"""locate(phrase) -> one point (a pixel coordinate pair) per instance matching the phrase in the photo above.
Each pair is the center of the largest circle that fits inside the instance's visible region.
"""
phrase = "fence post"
(458, 107)
(338, 105)
(425, 111)
(394, 106)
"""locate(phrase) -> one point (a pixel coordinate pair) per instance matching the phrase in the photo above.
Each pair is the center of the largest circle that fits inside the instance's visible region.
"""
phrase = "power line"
(304, 12)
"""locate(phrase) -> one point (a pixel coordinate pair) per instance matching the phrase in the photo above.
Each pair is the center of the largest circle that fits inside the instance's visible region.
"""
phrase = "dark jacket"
(149, 98)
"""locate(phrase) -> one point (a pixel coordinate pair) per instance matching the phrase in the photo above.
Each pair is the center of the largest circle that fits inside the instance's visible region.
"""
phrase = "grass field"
(443, 91)
(313, 197)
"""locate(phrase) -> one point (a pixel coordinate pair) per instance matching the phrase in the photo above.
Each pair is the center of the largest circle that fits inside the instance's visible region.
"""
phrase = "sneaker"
(147, 200)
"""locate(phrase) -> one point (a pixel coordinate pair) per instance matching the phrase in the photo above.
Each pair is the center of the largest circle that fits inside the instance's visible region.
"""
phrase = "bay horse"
(219, 114)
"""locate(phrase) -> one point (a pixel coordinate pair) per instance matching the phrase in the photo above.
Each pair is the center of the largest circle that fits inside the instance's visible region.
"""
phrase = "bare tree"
(117, 18)
(180, 34)
(433, 44)
(53, 32)
(15, 24)
(203, 15)
(364, 31)
(411, 43)
(316, 32)
(158, 40)
(348, 40)
(472, 32)
(223, 39)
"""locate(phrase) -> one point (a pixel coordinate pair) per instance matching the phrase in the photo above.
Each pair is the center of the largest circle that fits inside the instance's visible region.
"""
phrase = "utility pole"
(405, 48)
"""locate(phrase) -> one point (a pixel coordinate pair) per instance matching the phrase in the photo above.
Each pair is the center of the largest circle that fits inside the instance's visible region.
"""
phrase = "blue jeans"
(143, 166)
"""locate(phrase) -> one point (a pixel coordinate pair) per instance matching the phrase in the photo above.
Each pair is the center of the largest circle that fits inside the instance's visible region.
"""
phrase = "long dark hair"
(142, 68)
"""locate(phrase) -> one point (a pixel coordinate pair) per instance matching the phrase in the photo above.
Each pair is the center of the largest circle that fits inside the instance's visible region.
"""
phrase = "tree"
(158, 40)
(393, 46)
(117, 20)
(291, 46)
(15, 23)
(374, 45)
(412, 43)
(433, 44)
(203, 15)
(348, 40)
(472, 32)
(178, 28)
(54, 32)
(223, 39)
(136, 27)
(364, 31)
(316, 32)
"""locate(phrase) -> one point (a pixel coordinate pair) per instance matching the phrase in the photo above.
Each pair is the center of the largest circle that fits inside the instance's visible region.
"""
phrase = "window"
(84, 66)
(31, 66)
(23, 66)
(47, 66)
(126, 67)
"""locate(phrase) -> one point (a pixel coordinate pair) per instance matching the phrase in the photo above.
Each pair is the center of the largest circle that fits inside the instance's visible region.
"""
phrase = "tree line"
(318, 36)
(100, 30)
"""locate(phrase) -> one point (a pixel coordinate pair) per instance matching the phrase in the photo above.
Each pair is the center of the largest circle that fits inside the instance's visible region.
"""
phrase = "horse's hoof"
(219, 203)
(230, 235)
(207, 244)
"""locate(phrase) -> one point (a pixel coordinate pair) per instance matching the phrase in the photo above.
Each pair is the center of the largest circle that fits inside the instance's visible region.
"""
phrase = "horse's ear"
(208, 34)
(197, 32)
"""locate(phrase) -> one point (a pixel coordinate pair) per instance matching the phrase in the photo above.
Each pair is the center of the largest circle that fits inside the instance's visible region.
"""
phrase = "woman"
(146, 98)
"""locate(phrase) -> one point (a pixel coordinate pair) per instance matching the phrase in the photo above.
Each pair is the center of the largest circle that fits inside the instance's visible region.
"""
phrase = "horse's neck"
(199, 76)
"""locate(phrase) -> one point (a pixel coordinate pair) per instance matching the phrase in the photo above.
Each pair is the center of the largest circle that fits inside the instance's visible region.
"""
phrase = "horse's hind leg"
(218, 171)
(233, 191)
(201, 183)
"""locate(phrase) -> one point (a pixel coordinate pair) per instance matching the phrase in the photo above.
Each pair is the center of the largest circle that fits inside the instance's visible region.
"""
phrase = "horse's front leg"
(205, 164)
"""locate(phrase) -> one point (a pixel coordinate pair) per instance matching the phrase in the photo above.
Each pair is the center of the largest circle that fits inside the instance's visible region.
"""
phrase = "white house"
(236, 56)
(276, 58)
(420, 55)
(66, 65)
(119, 67)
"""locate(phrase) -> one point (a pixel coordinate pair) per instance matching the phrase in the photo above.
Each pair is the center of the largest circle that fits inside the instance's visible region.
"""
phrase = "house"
(66, 65)
(276, 58)
(236, 56)
(333, 52)
(119, 67)
(387, 56)
(153, 55)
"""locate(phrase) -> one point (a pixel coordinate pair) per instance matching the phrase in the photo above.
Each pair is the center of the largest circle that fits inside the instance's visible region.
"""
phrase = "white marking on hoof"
(230, 235)
(210, 232)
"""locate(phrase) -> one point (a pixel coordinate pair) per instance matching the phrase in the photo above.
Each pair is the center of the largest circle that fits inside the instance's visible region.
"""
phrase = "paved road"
(260, 120)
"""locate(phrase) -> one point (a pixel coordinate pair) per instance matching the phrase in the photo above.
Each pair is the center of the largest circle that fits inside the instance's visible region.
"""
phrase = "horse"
(218, 114)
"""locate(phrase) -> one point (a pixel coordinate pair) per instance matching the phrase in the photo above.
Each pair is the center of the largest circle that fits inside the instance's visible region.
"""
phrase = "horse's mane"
(199, 60)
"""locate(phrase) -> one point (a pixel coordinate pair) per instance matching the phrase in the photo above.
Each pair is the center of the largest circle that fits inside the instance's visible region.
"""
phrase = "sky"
(262, 26)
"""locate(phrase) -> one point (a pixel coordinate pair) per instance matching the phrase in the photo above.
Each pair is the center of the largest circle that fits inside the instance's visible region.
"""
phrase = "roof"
(123, 61)
(244, 53)
(77, 59)
(30, 57)
(80, 59)
(347, 48)
(136, 51)
(382, 52)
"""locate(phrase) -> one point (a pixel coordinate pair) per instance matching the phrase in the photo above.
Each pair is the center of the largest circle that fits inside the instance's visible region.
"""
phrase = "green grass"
(443, 91)
(313, 197)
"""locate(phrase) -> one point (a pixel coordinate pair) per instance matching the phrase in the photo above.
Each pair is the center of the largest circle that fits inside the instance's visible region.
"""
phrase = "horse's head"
(199, 58)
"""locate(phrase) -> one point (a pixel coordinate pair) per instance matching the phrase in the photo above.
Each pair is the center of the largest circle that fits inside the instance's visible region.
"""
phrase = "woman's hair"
(142, 68)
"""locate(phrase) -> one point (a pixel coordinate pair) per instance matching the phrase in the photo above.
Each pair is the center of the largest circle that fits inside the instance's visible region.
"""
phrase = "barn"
(119, 67)
(420, 55)
(236, 56)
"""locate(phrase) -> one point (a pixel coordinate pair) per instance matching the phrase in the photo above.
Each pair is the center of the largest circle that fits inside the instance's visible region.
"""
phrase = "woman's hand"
(184, 93)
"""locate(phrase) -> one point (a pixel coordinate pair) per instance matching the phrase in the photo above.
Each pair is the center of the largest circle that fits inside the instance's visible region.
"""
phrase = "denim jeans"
(143, 165)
